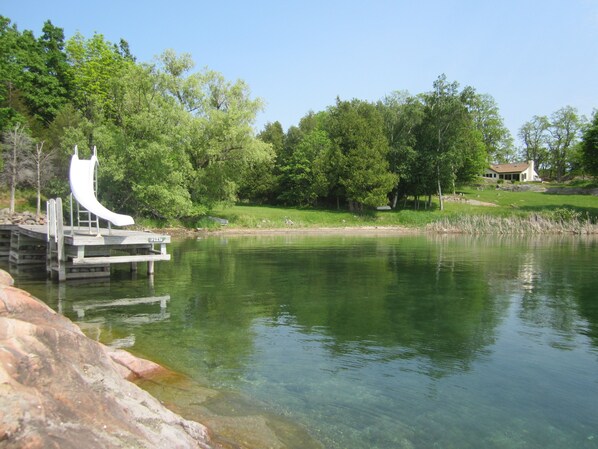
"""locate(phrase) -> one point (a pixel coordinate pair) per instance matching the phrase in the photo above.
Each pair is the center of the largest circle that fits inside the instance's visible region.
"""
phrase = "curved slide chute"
(82, 179)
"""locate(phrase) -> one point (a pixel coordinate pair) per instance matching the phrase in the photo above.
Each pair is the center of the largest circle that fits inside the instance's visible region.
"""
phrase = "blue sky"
(533, 57)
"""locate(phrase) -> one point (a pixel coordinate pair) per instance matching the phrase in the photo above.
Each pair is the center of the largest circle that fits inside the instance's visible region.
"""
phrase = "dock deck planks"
(85, 255)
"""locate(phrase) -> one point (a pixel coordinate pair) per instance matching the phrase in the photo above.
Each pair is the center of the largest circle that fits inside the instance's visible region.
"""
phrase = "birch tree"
(16, 145)
(41, 159)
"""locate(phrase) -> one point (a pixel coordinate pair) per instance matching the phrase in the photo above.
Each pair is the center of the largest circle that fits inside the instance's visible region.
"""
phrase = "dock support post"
(60, 242)
(150, 267)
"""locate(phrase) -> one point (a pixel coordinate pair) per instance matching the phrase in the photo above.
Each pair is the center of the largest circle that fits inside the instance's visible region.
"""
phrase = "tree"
(534, 134)
(402, 115)
(356, 128)
(40, 159)
(16, 145)
(496, 138)
(52, 84)
(563, 133)
(34, 74)
(222, 145)
(96, 66)
(12, 107)
(589, 146)
(304, 175)
(261, 179)
(144, 151)
(447, 139)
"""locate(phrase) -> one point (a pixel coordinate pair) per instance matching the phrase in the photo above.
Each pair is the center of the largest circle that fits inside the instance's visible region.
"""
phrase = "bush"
(564, 215)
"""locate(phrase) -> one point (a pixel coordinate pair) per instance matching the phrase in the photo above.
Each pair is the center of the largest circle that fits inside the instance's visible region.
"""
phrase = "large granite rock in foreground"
(60, 389)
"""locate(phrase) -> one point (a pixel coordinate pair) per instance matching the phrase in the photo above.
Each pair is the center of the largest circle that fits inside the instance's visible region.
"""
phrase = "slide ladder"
(83, 182)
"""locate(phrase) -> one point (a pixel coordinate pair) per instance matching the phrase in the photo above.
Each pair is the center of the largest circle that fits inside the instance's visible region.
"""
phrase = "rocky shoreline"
(58, 388)
(24, 218)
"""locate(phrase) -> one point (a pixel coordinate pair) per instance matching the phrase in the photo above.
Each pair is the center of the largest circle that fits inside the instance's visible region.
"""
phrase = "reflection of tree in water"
(403, 299)
(377, 296)
(438, 303)
(215, 317)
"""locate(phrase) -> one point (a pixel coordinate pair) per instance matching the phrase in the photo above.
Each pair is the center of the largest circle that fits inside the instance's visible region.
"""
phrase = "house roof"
(518, 167)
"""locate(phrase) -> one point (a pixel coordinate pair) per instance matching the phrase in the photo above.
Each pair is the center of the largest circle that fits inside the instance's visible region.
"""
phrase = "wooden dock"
(75, 254)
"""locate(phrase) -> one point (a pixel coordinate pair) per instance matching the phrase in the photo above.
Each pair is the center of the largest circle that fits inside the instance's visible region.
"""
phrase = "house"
(519, 171)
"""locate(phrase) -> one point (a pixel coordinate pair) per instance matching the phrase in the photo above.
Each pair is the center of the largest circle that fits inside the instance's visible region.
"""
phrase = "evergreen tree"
(589, 146)
(356, 128)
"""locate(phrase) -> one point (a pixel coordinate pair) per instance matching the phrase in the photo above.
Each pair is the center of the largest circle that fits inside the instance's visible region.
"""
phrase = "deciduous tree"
(261, 180)
(448, 141)
(96, 66)
(563, 133)
(487, 120)
(41, 159)
(534, 134)
(402, 115)
(16, 144)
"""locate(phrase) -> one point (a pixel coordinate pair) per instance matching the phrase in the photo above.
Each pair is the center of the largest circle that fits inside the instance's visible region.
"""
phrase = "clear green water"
(371, 342)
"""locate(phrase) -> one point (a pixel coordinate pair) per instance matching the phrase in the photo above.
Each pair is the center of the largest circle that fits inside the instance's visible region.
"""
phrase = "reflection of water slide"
(83, 179)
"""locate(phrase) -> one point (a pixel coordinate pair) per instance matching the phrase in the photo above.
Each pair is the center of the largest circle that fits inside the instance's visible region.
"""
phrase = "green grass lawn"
(25, 200)
(509, 204)
(533, 201)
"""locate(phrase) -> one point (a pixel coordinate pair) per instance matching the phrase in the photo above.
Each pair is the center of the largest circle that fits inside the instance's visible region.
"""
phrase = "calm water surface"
(369, 342)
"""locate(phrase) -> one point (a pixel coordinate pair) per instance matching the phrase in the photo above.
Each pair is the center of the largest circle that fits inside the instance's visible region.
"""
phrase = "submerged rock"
(58, 388)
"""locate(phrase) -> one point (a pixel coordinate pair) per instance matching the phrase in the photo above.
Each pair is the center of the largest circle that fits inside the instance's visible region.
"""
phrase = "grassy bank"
(478, 209)
(473, 210)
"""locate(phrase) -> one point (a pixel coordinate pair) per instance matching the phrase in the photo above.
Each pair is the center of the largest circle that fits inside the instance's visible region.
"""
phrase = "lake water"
(365, 342)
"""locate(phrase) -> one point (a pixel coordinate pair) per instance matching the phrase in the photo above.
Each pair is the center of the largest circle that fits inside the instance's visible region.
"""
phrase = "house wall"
(527, 175)
(531, 172)
(491, 174)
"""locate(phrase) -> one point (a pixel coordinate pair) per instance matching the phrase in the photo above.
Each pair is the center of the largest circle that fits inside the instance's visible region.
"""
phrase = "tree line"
(368, 154)
(173, 142)
(557, 144)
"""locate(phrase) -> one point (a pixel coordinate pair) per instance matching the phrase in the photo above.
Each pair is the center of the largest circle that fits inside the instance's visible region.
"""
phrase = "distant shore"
(237, 231)
(466, 225)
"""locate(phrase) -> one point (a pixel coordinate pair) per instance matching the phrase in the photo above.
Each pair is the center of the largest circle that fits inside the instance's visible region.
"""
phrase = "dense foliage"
(367, 155)
(553, 143)
(171, 142)
(174, 142)
(590, 146)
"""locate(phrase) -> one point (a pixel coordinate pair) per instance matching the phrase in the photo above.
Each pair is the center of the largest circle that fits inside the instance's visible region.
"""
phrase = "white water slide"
(82, 178)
